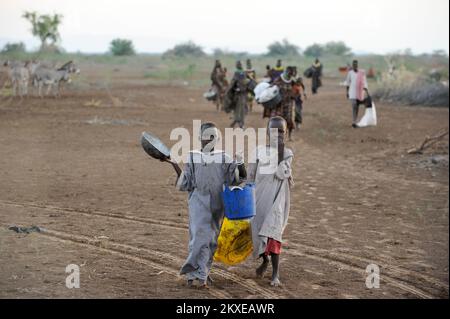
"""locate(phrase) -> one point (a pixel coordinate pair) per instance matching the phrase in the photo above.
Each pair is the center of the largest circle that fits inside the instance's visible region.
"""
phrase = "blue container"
(239, 202)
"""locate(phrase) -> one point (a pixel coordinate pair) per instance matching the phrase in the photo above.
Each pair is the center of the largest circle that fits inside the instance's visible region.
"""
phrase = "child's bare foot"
(275, 282)
(275, 270)
(262, 269)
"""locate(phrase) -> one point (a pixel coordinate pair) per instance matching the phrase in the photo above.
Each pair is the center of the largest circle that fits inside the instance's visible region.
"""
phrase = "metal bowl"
(154, 147)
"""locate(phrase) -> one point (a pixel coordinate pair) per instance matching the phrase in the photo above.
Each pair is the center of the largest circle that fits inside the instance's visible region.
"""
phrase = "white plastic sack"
(369, 118)
(269, 93)
(211, 94)
(264, 92)
(259, 89)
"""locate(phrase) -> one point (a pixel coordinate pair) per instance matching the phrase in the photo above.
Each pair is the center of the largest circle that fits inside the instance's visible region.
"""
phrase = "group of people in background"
(237, 95)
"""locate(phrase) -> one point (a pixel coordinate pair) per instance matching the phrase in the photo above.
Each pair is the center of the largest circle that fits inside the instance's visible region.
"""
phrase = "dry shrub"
(408, 88)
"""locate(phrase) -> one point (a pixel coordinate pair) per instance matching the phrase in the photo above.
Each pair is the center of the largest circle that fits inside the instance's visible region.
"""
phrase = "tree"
(217, 52)
(45, 27)
(185, 49)
(315, 50)
(122, 47)
(18, 47)
(283, 48)
(337, 48)
(439, 53)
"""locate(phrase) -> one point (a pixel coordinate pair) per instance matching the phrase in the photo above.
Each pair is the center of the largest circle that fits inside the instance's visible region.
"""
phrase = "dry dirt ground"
(74, 166)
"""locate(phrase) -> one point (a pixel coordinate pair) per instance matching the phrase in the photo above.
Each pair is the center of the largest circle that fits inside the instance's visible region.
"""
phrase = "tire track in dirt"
(100, 245)
(347, 266)
(97, 213)
(148, 256)
(392, 271)
(123, 251)
(343, 260)
(133, 252)
(341, 263)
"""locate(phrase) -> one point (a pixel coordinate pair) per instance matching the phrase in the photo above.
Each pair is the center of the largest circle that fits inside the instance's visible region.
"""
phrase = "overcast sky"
(379, 26)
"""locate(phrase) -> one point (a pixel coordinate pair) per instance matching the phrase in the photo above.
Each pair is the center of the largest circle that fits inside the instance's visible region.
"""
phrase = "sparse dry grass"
(408, 88)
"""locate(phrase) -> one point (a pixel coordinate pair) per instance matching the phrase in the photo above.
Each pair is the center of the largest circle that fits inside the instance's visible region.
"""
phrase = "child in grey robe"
(204, 176)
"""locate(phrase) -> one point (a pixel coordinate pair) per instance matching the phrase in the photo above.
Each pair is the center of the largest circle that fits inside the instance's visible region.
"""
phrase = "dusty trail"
(391, 274)
(78, 172)
(156, 259)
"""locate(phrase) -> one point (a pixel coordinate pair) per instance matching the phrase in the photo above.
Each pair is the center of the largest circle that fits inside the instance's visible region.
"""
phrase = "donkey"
(19, 76)
(47, 76)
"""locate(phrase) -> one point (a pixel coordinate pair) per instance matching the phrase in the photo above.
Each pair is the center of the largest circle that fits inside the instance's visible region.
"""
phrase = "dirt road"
(74, 166)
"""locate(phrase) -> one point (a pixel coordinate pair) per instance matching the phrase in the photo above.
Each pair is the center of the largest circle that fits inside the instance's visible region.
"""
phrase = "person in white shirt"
(356, 86)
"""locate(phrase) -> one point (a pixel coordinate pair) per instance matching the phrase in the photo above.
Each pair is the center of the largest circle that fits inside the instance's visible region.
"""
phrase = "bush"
(440, 53)
(315, 50)
(283, 48)
(185, 49)
(413, 90)
(122, 47)
(337, 48)
(14, 48)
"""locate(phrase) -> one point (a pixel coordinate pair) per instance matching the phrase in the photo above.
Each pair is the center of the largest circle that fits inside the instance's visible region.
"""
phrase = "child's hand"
(284, 170)
(239, 157)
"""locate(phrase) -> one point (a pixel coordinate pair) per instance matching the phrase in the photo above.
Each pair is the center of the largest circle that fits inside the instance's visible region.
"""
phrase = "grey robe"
(272, 198)
(203, 177)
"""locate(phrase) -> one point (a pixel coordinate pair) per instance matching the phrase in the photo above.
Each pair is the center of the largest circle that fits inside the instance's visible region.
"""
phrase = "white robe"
(272, 198)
